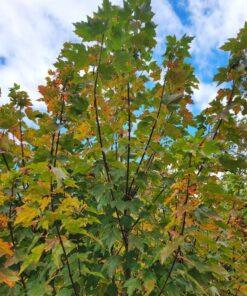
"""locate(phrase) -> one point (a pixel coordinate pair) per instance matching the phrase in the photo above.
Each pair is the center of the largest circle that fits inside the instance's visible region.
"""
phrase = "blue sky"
(32, 34)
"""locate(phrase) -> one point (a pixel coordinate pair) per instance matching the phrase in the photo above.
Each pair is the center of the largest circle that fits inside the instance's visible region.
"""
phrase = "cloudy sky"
(32, 33)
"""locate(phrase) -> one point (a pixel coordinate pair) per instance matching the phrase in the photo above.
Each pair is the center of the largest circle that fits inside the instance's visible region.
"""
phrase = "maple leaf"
(8, 277)
(5, 248)
(25, 215)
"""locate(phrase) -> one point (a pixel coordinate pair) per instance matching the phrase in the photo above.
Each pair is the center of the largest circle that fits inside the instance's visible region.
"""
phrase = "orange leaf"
(8, 277)
(192, 189)
(210, 226)
(5, 248)
(82, 131)
(3, 221)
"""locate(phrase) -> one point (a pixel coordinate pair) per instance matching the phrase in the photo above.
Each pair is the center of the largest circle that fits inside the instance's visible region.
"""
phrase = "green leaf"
(112, 264)
(172, 99)
(75, 53)
(90, 30)
(169, 249)
(210, 147)
(123, 61)
(64, 292)
(214, 291)
(132, 285)
(60, 173)
(33, 258)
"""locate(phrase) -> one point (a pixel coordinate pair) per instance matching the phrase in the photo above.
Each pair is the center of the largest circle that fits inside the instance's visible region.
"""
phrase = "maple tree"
(109, 191)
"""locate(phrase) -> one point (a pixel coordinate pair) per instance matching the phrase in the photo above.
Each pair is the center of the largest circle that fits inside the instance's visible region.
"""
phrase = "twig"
(128, 146)
(187, 194)
(149, 138)
(54, 158)
(181, 232)
(11, 230)
(108, 176)
(21, 141)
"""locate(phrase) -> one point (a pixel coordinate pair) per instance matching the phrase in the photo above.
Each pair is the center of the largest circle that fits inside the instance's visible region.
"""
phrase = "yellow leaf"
(170, 198)
(179, 185)
(69, 205)
(25, 215)
(5, 248)
(146, 226)
(149, 285)
(82, 131)
(243, 289)
(8, 277)
(44, 202)
(3, 198)
(3, 221)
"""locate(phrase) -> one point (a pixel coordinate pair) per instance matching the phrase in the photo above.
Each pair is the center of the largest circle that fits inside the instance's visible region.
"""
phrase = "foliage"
(110, 191)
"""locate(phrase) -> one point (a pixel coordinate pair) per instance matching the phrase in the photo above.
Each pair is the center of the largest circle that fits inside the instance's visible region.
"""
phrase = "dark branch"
(149, 138)
(108, 176)
(54, 158)
(218, 125)
(128, 147)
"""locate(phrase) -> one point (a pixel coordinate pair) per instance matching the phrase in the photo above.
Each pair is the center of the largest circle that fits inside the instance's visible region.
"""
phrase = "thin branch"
(218, 125)
(149, 138)
(58, 133)
(170, 270)
(108, 176)
(187, 194)
(149, 161)
(11, 231)
(228, 219)
(54, 158)
(128, 147)
(10, 227)
(21, 141)
(148, 208)
(5, 161)
(127, 270)
(186, 200)
(97, 112)
(116, 146)
(139, 217)
(181, 231)
(151, 157)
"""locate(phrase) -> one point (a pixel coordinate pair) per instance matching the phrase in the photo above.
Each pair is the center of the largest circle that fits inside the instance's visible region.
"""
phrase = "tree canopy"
(118, 188)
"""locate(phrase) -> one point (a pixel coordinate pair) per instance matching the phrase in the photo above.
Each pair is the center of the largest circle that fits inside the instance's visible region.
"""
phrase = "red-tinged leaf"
(8, 277)
(5, 248)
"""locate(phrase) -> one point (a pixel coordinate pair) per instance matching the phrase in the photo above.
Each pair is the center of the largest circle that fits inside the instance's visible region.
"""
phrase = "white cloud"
(212, 23)
(32, 34)
(205, 93)
(167, 20)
